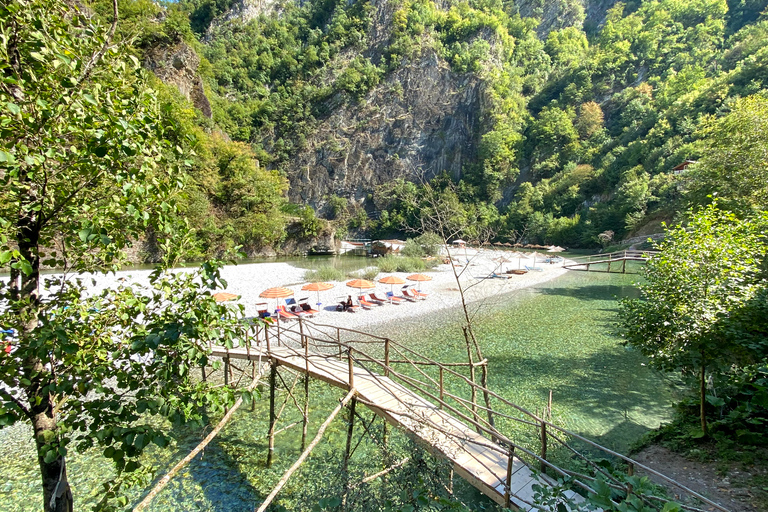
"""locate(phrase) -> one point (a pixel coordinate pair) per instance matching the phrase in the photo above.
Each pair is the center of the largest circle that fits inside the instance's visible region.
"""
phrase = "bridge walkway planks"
(474, 457)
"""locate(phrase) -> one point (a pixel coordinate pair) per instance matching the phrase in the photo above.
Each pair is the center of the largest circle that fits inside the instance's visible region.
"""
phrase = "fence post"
(266, 338)
(351, 368)
(508, 481)
(630, 472)
(442, 388)
(386, 357)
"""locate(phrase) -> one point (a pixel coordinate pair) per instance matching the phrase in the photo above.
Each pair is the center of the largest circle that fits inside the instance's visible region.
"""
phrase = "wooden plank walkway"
(474, 457)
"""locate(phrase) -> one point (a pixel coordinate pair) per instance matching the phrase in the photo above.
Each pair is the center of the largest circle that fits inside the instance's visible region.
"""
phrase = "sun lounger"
(306, 308)
(374, 298)
(262, 310)
(407, 295)
(419, 294)
(285, 314)
(537, 269)
(394, 299)
(342, 305)
(365, 304)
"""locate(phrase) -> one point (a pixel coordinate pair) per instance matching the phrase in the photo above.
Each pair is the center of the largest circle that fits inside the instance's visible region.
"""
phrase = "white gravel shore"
(249, 280)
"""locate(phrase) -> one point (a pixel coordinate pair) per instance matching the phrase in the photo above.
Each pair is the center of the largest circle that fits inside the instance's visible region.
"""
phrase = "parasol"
(276, 293)
(317, 287)
(391, 281)
(224, 296)
(420, 278)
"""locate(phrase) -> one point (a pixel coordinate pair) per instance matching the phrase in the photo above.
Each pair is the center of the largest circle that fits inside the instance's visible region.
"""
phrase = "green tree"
(83, 173)
(707, 274)
(734, 157)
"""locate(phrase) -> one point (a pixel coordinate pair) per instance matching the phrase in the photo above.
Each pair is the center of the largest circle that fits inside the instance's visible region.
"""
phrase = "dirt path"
(731, 490)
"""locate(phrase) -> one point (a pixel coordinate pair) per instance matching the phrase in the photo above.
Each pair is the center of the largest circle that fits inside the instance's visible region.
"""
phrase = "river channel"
(556, 336)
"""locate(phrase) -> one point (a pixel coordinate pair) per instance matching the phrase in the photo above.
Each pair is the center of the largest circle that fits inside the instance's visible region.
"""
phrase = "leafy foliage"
(700, 308)
(86, 170)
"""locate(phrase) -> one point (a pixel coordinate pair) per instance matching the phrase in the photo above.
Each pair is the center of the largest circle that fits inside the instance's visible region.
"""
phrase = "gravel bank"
(249, 280)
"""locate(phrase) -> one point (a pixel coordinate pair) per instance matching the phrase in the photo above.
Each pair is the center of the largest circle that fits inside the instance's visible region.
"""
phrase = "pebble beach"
(475, 269)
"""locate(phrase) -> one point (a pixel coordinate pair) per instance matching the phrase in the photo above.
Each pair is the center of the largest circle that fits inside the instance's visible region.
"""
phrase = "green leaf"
(7, 157)
(90, 99)
(13, 108)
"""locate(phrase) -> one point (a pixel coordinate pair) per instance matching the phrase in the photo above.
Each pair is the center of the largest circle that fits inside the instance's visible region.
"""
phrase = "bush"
(326, 273)
(404, 264)
(412, 249)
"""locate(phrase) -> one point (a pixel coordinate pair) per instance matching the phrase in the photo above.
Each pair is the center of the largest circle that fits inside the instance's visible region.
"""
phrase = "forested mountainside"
(547, 121)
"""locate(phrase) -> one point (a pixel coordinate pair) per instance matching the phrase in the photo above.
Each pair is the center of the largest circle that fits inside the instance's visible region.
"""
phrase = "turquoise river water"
(556, 336)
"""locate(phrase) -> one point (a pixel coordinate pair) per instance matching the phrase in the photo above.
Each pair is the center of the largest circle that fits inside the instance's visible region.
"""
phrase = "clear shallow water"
(555, 336)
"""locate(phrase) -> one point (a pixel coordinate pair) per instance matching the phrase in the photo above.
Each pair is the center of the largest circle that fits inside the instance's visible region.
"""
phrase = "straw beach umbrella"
(501, 260)
(391, 281)
(420, 278)
(317, 287)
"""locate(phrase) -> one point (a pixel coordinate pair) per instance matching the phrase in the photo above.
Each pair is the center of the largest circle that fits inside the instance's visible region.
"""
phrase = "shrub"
(326, 273)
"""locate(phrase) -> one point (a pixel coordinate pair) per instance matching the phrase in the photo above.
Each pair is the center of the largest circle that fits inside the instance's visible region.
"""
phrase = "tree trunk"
(702, 397)
(57, 495)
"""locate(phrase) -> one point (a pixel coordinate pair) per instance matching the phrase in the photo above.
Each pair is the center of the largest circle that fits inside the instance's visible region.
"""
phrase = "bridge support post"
(624, 266)
(543, 446)
(508, 480)
(272, 419)
(348, 451)
(305, 412)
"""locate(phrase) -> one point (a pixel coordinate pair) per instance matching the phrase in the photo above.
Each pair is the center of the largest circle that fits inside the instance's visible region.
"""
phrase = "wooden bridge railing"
(612, 256)
(385, 358)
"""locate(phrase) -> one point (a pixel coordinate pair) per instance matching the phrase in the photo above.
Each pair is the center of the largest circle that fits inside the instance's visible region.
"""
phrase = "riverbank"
(475, 274)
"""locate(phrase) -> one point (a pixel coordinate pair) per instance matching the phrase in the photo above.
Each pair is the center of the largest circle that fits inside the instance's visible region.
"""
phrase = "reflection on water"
(556, 336)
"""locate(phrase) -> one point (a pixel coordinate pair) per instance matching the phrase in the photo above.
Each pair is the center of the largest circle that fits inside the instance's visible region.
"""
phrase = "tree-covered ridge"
(578, 132)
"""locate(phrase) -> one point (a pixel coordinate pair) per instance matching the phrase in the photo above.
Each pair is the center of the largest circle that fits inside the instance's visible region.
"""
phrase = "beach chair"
(262, 310)
(285, 314)
(364, 303)
(419, 294)
(394, 299)
(306, 308)
(407, 295)
(342, 305)
(537, 269)
(374, 298)
(371, 298)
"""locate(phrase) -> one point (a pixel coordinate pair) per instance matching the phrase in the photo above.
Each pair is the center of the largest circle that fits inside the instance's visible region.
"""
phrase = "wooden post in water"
(305, 418)
(347, 452)
(543, 446)
(272, 420)
(508, 480)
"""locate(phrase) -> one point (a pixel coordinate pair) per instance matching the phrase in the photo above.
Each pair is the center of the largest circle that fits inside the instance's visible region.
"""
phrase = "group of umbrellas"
(359, 284)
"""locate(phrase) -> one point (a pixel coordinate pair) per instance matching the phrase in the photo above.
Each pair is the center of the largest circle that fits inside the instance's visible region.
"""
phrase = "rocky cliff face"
(421, 121)
(177, 65)
(558, 14)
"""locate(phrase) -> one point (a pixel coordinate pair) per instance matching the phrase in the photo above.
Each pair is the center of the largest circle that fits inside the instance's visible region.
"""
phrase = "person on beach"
(348, 304)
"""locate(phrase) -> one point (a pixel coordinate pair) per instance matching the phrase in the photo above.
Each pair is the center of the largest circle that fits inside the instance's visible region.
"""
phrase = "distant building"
(680, 169)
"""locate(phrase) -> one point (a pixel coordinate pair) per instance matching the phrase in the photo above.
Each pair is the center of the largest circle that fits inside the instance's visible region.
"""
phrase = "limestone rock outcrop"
(177, 65)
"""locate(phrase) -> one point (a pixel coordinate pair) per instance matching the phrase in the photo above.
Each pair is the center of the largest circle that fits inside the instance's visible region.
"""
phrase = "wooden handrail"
(546, 428)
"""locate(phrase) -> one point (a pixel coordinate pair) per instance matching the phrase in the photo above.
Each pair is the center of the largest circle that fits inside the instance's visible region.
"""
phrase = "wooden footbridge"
(437, 405)
(615, 262)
